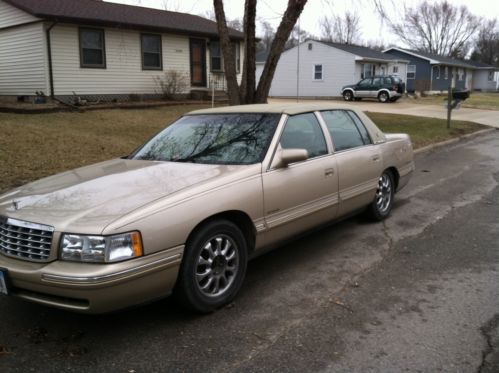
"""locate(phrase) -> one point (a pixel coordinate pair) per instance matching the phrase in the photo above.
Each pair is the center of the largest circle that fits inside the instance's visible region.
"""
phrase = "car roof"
(290, 109)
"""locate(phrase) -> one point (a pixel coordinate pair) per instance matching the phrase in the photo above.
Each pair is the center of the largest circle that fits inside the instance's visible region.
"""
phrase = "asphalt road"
(417, 293)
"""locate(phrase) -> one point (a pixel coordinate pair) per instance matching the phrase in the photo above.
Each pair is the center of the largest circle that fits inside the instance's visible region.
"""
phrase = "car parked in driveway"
(185, 211)
(383, 88)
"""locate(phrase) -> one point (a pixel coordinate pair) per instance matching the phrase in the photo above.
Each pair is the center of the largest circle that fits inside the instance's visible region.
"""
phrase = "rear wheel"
(383, 97)
(348, 95)
(214, 266)
(383, 200)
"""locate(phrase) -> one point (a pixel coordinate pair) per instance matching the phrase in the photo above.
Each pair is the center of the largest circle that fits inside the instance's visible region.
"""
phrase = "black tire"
(348, 95)
(383, 97)
(189, 284)
(382, 204)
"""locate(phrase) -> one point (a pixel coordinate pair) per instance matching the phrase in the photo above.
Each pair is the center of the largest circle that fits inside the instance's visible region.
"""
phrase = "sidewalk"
(486, 117)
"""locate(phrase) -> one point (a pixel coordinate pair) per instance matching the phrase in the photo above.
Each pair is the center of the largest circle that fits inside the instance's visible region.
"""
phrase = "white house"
(317, 69)
(94, 48)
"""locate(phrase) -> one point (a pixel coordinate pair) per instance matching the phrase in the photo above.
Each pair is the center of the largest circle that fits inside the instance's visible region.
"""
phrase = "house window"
(317, 72)
(460, 74)
(446, 72)
(237, 55)
(151, 52)
(216, 56)
(436, 72)
(491, 76)
(92, 48)
(411, 71)
(369, 70)
(395, 69)
(382, 71)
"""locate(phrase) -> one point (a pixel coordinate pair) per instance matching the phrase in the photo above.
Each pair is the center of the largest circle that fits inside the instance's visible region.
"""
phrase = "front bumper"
(94, 288)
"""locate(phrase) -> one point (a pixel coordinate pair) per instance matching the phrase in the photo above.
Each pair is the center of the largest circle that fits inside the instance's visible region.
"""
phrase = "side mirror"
(288, 156)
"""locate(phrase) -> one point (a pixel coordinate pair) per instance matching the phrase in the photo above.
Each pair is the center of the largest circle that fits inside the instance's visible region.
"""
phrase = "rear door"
(358, 159)
(376, 86)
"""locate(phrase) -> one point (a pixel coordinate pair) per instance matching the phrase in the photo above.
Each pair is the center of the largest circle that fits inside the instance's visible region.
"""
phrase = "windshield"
(213, 138)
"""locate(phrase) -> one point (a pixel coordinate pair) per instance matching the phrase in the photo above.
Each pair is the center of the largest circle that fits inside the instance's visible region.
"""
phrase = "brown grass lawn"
(477, 100)
(37, 145)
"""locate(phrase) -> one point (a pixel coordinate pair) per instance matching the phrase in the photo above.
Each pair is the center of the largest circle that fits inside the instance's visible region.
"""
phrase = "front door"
(198, 62)
(363, 88)
(303, 194)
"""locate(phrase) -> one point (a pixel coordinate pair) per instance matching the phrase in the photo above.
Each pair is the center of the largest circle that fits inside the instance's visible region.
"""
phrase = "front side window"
(151, 52)
(92, 48)
(213, 139)
(365, 83)
(346, 134)
(317, 72)
(216, 56)
(411, 71)
(303, 131)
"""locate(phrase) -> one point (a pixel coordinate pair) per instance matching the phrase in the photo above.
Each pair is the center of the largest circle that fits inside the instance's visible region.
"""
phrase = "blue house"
(432, 72)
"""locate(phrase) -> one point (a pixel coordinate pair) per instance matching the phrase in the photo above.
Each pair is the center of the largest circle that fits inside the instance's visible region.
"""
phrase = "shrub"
(172, 83)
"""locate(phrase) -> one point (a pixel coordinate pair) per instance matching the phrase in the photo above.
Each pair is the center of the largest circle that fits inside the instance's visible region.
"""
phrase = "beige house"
(96, 49)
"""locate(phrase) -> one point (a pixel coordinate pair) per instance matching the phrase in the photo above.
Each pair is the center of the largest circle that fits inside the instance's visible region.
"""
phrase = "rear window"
(396, 80)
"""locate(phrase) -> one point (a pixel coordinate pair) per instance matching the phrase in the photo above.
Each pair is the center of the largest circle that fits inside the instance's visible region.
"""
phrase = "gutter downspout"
(49, 54)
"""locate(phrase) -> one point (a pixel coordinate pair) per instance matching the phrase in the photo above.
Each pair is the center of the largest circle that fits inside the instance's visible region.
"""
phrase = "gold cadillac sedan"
(186, 211)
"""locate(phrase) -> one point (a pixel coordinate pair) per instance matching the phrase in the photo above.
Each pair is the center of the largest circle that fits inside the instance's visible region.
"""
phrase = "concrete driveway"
(406, 107)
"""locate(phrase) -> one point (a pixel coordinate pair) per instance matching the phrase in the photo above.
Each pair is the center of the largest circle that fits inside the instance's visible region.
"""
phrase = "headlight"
(101, 249)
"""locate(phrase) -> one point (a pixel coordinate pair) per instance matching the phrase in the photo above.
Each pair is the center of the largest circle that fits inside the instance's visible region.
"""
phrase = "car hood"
(92, 197)
(349, 86)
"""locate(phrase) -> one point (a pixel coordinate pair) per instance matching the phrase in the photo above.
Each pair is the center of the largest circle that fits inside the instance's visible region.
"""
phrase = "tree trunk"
(246, 93)
(228, 54)
(248, 85)
(295, 7)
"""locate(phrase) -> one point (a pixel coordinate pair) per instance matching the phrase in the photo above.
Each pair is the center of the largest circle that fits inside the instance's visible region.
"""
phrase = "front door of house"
(198, 62)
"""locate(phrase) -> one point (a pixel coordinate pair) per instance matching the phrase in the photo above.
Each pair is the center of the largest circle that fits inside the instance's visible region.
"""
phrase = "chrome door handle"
(329, 172)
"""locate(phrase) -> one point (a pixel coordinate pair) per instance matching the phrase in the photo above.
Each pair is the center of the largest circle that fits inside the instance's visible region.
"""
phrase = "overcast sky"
(271, 11)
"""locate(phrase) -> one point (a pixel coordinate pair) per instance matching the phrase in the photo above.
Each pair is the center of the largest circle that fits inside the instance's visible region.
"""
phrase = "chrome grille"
(25, 240)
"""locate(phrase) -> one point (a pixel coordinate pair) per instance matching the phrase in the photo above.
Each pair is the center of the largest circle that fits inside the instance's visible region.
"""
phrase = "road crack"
(491, 335)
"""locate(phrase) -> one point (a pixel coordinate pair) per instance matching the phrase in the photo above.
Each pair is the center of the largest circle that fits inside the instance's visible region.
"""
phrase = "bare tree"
(247, 93)
(267, 36)
(338, 29)
(486, 48)
(435, 27)
(296, 37)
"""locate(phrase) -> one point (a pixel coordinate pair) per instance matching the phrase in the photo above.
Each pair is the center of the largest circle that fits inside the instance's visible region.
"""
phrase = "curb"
(442, 144)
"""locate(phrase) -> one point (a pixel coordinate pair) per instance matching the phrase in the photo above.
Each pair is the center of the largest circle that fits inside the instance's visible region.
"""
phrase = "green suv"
(384, 88)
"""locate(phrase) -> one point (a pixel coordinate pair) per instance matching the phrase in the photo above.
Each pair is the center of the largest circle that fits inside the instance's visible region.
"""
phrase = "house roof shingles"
(120, 15)
(442, 60)
(363, 52)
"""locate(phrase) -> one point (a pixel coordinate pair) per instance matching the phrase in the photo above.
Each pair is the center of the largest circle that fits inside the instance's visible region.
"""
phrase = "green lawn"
(37, 145)
(477, 100)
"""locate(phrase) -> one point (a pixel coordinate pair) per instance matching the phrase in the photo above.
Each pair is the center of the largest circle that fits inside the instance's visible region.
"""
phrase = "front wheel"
(214, 266)
(383, 97)
(348, 95)
(383, 200)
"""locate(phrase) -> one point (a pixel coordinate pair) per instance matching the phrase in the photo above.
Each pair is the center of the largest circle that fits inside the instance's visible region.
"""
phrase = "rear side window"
(388, 81)
(344, 130)
(303, 131)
